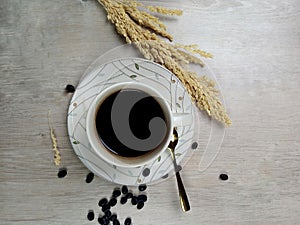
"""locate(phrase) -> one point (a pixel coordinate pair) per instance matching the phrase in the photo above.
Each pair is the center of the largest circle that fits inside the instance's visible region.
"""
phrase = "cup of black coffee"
(129, 124)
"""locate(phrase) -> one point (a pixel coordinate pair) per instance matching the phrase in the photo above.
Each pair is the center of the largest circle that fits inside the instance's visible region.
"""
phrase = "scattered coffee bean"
(123, 200)
(142, 187)
(101, 220)
(146, 172)
(89, 178)
(124, 189)
(113, 217)
(90, 215)
(142, 198)
(106, 217)
(194, 145)
(140, 205)
(105, 208)
(108, 213)
(223, 176)
(116, 193)
(112, 202)
(103, 202)
(127, 221)
(129, 195)
(70, 88)
(62, 172)
(134, 200)
(116, 222)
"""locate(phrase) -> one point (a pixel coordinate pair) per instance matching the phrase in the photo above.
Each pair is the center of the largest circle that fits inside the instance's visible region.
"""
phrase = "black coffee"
(130, 123)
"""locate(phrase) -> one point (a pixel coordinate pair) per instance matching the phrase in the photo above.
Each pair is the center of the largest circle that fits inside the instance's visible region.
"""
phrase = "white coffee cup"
(171, 120)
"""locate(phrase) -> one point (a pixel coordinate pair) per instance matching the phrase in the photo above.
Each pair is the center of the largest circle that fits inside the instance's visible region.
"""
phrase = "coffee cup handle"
(182, 119)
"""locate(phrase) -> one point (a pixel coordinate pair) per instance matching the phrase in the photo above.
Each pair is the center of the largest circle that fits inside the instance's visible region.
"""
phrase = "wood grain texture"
(45, 45)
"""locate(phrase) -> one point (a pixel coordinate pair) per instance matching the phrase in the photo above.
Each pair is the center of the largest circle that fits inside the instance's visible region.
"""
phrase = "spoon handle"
(184, 201)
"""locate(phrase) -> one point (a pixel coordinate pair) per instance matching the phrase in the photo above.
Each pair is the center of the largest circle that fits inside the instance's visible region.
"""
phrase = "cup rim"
(102, 151)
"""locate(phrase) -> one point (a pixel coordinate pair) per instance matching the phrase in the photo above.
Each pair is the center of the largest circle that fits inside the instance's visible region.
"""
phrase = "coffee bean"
(129, 195)
(106, 222)
(142, 198)
(105, 208)
(116, 193)
(108, 213)
(90, 215)
(123, 200)
(140, 205)
(223, 176)
(101, 220)
(142, 187)
(106, 217)
(112, 202)
(127, 221)
(134, 200)
(89, 178)
(113, 217)
(103, 202)
(124, 189)
(62, 172)
(116, 222)
(70, 88)
(194, 145)
(146, 172)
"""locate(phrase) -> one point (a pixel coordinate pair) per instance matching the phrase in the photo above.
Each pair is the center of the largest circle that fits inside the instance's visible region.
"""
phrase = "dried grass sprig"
(147, 21)
(164, 11)
(125, 26)
(57, 156)
(193, 49)
(144, 31)
(156, 9)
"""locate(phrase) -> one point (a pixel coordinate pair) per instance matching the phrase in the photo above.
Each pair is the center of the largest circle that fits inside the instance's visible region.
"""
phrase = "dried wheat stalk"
(144, 30)
(57, 156)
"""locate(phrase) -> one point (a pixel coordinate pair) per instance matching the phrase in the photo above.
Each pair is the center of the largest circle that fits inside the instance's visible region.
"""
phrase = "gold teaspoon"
(184, 202)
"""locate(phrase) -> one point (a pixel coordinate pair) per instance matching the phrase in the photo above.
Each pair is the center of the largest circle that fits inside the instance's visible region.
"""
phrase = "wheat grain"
(144, 31)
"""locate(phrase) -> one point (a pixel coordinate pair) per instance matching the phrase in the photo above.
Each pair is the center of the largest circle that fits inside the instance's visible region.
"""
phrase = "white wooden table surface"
(45, 45)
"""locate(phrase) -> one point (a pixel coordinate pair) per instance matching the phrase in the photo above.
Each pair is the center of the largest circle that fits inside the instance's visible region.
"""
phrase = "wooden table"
(45, 45)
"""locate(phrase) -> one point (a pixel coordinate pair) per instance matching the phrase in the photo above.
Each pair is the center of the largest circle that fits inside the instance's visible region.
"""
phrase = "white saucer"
(136, 70)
